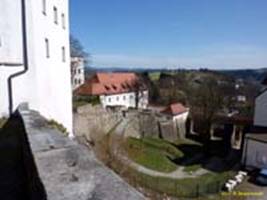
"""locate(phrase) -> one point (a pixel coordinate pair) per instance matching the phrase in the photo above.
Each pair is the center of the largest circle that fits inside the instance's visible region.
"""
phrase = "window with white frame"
(55, 15)
(47, 53)
(63, 54)
(63, 20)
(44, 6)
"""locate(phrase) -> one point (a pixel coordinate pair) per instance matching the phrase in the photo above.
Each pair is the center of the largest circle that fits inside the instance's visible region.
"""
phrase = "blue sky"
(172, 33)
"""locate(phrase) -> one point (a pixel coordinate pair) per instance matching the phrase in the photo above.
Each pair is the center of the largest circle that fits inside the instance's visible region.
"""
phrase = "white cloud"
(214, 57)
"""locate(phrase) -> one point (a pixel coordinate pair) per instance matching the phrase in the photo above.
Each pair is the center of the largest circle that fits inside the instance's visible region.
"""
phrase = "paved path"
(179, 173)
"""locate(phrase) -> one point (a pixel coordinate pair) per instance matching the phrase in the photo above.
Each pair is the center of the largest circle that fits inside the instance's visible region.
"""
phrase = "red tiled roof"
(175, 109)
(109, 83)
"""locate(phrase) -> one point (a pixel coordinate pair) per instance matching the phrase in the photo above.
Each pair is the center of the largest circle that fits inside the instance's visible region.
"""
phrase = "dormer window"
(123, 86)
(114, 87)
(106, 87)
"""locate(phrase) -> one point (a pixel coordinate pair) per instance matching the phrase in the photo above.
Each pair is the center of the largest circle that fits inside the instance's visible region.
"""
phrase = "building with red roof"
(179, 114)
(175, 109)
(116, 89)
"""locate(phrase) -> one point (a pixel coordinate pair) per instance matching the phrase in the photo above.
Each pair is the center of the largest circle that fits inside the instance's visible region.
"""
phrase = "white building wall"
(260, 113)
(127, 100)
(255, 154)
(182, 117)
(180, 123)
(47, 85)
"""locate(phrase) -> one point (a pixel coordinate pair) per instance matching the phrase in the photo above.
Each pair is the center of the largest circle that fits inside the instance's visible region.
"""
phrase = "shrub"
(2, 122)
(60, 127)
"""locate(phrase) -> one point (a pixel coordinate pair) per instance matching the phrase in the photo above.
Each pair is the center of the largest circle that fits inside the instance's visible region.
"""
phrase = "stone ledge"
(69, 170)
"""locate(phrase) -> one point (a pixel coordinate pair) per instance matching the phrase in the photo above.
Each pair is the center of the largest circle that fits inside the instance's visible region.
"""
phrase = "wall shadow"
(19, 178)
(212, 158)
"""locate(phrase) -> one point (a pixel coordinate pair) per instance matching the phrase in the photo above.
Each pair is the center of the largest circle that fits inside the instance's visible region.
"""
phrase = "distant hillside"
(251, 75)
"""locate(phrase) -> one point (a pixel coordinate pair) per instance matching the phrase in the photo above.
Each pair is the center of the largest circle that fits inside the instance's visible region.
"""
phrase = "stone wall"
(168, 130)
(91, 121)
(94, 121)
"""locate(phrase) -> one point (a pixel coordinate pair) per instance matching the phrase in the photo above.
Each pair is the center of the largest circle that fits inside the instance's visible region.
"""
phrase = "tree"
(77, 50)
(206, 99)
(140, 86)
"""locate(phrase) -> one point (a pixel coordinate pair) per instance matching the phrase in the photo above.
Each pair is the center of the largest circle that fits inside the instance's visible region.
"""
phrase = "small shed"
(178, 114)
(255, 151)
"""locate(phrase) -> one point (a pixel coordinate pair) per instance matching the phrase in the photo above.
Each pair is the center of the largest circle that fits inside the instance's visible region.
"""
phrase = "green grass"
(83, 100)
(210, 183)
(154, 154)
(154, 76)
(192, 168)
(58, 126)
(77, 104)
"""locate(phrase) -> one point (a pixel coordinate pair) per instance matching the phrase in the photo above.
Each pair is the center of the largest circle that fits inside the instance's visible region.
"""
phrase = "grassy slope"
(210, 183)
(153, 153)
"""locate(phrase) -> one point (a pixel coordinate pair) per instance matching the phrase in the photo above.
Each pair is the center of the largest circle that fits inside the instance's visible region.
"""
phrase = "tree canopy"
(77, 50)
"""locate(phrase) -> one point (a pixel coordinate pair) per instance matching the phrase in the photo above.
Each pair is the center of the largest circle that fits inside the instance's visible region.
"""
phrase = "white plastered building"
(260, 112)
(77, 72)
(46, 85)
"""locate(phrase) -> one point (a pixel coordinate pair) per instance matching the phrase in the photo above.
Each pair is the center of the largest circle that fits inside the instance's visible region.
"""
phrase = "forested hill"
(250, 75)
(247, 74)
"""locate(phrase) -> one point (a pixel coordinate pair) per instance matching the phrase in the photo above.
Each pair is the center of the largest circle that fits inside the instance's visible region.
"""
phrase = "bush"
(60, 127)
(83, 100)
(2, 122)
(202, 186)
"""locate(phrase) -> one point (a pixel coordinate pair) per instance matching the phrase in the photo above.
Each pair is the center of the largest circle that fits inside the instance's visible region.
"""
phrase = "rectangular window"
(55, 15)
(44, 6)
(47, 48)
(63, 21)
(63, 54)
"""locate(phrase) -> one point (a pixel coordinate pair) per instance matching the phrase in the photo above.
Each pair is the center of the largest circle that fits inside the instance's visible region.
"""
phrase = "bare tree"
(206, 99)
(77, 50)
(139, 86)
